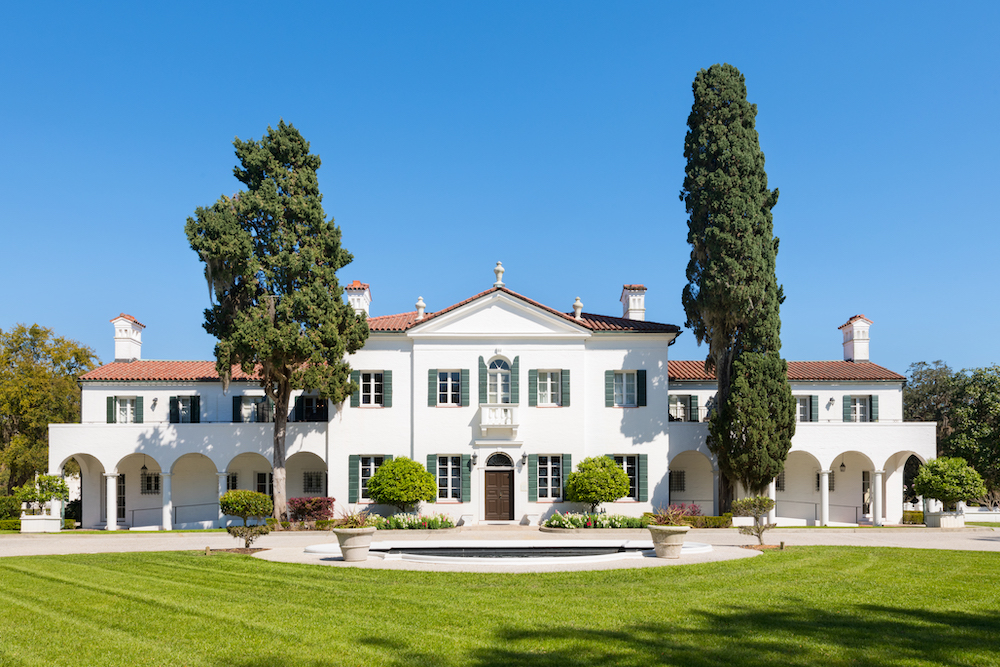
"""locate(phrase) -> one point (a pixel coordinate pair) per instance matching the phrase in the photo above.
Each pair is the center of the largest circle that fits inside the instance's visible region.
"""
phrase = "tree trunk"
(281, 401)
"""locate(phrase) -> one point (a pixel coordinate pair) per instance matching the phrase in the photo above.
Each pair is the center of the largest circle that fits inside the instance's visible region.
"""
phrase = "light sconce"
(153, 405)
(842, 466)
(475, 457)
(144, 469)
(524, 457)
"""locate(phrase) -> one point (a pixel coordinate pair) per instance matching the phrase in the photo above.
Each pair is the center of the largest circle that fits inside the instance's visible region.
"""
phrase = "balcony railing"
(498, 420)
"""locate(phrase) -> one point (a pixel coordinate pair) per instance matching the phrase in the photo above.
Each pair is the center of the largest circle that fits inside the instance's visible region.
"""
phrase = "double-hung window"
(449, 388)
(371, 388)
(369, 464)
(625, 389)
(311, 409)
(803, 408)
(859, 408)
(550, 477)
(185, 410)
(498, 379)
(126, 410)
(630, 464)
(548, 388)
(265, 483)
(232, 481)
(449, 477)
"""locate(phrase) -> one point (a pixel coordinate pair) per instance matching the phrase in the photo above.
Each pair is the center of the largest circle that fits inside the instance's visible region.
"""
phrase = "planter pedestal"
(41, 523)
(668, 540)
(944, 519)
(354, 542)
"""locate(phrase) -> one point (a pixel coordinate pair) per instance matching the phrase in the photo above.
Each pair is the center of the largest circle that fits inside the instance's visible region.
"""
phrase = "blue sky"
(547, 135)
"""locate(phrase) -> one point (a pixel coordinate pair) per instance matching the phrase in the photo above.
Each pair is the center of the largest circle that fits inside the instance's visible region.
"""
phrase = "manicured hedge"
(15, 524)
(724, 521)
(913, 517)
(10, 507)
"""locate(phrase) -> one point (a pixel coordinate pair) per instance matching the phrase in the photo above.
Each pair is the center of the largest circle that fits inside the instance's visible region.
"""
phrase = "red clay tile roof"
(174, 371)
(800, 371)
(642, 287)
(404, 321)
(357, 284)
(856, 317)
(129, 318)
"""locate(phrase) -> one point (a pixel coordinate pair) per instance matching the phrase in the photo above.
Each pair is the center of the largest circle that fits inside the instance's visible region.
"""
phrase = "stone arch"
(795, 492)
(691, 480)
(306, 475)
(140, 479)
(195, 491)
(852, 496)
(250, 470)
(91, 485)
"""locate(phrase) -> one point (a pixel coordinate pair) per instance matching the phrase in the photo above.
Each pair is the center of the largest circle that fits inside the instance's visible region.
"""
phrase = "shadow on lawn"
(867, 634)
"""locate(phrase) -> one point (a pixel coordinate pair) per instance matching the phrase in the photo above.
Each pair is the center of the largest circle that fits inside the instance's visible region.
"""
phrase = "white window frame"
(372, 389)
(369, 465)
(125, 407)
(312, 482)
(625, 389)
(449, 388)
(550, 478)
(630, 464)
(861, 408)
(498, 382)
(802, 409)
(258, 485)
(449, 478)
(232, 481)
(549, 388)
(680, 407)
(183, 409)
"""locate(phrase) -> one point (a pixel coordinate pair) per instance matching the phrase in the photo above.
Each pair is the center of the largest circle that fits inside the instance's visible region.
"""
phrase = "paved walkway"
(288, 546)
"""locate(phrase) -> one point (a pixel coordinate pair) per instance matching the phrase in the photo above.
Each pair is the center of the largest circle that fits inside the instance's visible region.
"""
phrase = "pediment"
(499, 314)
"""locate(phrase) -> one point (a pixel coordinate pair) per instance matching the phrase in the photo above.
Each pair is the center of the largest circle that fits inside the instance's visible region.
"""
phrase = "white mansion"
(500, 396)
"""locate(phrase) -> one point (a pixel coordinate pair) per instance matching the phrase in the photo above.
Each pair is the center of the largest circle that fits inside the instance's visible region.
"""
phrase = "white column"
(168, 505)
(824, 497)
(772, 493)
(717, 509)
(111, 500)
(877, 493)
(222, 490)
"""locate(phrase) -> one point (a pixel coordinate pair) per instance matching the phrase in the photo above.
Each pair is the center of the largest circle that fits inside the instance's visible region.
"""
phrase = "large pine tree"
(732, 297)
(271, 259)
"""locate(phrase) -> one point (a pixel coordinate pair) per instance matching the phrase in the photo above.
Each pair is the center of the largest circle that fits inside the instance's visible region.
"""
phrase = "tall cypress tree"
(271, 259)
(732, 298)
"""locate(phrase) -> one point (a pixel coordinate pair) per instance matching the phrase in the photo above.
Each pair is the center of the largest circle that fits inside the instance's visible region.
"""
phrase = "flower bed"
(577, 520)
(411, 522)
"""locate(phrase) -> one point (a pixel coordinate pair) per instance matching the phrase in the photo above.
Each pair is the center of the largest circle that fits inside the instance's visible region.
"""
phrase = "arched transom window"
(499, 460)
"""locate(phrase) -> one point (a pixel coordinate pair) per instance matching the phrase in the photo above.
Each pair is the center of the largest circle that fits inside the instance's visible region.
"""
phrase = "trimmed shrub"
(913, 517)
(579, 520)
(10, 507)
(402, 483)
(757, 507)
(724, 521)
(69, 524)
(272, 523)
(311, 509)
(949, 480)
(10, 524)
(597, 480)
(411, 522)
(247, 504)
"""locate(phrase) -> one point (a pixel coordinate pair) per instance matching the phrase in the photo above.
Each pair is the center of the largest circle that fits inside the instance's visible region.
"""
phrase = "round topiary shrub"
(597, 480)
(402, 483)
(949, 480)
(247, 504)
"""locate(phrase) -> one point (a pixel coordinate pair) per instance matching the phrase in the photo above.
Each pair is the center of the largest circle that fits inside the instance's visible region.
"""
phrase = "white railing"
(498, 419)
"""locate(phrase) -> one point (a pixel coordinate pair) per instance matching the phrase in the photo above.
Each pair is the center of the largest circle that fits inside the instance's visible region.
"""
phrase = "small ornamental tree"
(949, 480)
(43, 489)
(757, 507)
(597, 480)
(246, 505)
(402, 483)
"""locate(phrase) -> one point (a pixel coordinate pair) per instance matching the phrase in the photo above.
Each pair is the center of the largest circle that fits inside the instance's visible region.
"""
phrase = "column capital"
(221, 474)
(825, 472)
(166, 474)
(109, 475)
(879, 472)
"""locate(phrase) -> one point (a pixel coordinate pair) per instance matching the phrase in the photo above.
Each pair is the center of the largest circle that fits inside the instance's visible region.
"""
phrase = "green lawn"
(825, 606)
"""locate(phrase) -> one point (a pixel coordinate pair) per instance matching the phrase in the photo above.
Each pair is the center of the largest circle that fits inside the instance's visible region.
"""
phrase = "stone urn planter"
(354, 542)
(944, 519)
(668, 540)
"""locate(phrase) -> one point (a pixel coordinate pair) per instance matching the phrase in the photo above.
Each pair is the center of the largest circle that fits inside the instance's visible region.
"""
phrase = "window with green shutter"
(356, 396)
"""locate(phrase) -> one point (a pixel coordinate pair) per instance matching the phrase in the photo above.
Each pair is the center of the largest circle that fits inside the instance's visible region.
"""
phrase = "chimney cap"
(131, 319)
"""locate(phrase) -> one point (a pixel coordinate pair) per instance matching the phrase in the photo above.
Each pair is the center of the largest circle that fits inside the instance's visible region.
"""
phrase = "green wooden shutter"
(300, 410)
(175, 410)
(353, 477)
(874, 406)
(693, 408)
(465, 387)
(138, 409)
(386, 458)
(482, 380)
(609, 389)
(237, 409)
(640, 388)
(432, 463)
(466, 478)
(532, 388)
(641, 468)
(356, 396)
(847, 407)
(386, 389)
(814, 408)
(532, 478)
(515, 382)
(564, 387)
(196, 409)
(432, 387)
(567, 468)
(112, 413)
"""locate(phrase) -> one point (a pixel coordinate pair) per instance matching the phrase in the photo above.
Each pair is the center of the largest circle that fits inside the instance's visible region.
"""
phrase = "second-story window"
(548, 388)
(371, 388)
(499, 382)
(449, 388)
(625, 389)
(185, 410)
(126, 409)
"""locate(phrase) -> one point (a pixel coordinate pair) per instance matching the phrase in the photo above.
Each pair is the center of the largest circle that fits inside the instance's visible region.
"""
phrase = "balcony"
(498, 420)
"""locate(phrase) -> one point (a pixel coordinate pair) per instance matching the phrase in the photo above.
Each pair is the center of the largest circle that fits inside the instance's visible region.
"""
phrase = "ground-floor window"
(829, 485)
(449, 477)
(369, 464)
(121, 497)
(265, 483)
(312, 482)
(677, 481)
(550, 476)
(149, 483)
(630, 464)
(232, 481)
(779, 482)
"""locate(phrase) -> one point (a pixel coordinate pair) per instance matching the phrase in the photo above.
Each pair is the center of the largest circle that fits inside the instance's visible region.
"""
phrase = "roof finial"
(499, 273)
(577, 309)
(420, 307)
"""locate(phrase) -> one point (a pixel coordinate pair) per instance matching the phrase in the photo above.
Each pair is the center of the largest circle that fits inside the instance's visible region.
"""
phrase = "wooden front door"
(499, 493)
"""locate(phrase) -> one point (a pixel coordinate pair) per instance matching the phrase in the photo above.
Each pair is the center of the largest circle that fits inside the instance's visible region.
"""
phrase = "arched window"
(499, 460)
(499, 382)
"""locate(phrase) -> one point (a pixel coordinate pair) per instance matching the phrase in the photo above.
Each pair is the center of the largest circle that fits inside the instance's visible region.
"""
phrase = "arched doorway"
(499, 488)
